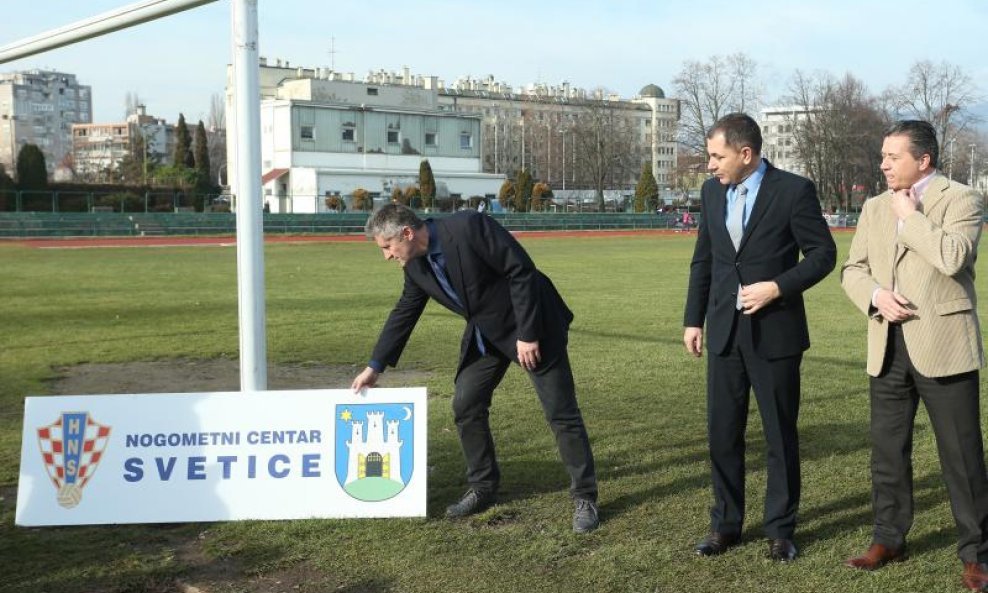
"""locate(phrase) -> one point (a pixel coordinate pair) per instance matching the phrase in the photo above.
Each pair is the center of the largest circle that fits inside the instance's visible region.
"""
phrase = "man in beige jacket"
(911, 271)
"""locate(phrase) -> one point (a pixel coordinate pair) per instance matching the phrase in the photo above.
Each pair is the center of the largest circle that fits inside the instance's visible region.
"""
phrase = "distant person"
(481, 206)
(747, 282)
(475, 268)
(911, 271)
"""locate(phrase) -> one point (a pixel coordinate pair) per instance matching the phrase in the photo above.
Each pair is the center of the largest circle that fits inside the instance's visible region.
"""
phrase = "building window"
(348, 132)
(393, 137)
(466, 141)
(430, 139)
(371, 91)
(308, 133)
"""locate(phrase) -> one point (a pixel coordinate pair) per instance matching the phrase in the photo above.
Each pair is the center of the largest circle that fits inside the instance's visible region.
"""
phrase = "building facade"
(39, 107)
(779, 144)
(325, 133)
(98, 148)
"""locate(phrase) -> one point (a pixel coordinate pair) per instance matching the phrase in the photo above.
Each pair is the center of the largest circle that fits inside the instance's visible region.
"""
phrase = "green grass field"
(642, 397)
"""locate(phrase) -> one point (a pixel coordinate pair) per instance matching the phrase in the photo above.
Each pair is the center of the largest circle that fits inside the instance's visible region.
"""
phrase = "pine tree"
(182, 156)
(6, 187)
(32, 172)
(523, 191)
(202, 156)
(647, 190)
(427, 183)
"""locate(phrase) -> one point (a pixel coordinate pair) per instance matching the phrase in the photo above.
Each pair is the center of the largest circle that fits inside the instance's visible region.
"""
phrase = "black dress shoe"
(782, 550)
(474, 501)
(717, 543)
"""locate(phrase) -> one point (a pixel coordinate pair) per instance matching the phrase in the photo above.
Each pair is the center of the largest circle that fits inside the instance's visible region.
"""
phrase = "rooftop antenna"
(332, 53)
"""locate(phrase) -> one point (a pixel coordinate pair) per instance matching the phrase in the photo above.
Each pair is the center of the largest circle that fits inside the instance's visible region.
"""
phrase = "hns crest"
(374, 445)
(71, 449)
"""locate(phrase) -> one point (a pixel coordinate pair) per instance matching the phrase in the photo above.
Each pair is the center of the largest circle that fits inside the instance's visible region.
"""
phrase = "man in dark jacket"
(747, 283)
(472, 266)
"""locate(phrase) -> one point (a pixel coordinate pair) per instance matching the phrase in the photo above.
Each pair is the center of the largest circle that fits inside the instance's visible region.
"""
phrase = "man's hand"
(528, 354)
(892, 306)
(368, 378)
(693, 338)
(903, 203)
(757, 295)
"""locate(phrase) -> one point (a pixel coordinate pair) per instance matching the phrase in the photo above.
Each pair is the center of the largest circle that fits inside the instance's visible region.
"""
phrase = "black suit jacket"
(785, 221)
(502, 292)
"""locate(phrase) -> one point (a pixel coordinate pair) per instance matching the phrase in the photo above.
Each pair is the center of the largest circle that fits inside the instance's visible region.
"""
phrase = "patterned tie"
(735, 220)
(735, 226)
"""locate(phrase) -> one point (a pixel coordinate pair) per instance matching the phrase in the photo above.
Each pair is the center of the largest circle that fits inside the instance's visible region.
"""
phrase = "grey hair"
(390, 219)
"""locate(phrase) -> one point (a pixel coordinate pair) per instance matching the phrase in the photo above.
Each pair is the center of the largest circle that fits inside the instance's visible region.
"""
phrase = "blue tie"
(438, 263)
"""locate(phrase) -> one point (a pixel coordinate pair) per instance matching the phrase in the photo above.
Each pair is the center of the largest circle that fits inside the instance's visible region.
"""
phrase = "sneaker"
(473, 502)
(586, 517)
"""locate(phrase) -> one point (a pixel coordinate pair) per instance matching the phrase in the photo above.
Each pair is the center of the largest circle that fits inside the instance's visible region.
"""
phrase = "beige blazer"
(932, 260)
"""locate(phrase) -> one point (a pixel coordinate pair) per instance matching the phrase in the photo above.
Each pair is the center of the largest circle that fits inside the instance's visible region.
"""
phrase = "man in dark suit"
(746, 282)
(472, 266)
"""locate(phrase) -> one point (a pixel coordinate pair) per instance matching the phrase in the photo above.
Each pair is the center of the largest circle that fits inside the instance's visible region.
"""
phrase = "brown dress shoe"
(876, 557)
(975, 576)
(717, 543)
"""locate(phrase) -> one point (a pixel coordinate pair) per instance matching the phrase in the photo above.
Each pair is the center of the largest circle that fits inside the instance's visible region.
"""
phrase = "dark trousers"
(730, 377)
(553, 381)
(953, 407)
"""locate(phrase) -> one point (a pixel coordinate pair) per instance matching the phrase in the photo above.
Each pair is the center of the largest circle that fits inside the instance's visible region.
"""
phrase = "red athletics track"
(230, 240)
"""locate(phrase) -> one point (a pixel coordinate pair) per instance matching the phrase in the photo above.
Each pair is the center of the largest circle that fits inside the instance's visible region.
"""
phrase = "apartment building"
(39, 107)
(325, 131)
(778, 136)
(97, 148)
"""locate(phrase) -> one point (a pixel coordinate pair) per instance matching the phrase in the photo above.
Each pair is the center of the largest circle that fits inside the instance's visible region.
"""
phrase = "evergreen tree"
(6, 187)
(647, 190)
(182, 156)
(202, 156)
(506, 194)
(523, 191)
(32, 172)
(427, 183)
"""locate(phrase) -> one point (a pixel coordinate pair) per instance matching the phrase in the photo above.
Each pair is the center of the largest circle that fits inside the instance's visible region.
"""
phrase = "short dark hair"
(390, 219)
(739, 130)
(922, 138)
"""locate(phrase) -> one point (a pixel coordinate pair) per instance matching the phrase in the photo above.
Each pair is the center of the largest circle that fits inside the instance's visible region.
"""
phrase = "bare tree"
(607, 146)
(217, 112)
(713, 89)
(216, 137)
(941, 94)
(131, 101)
(837, 131)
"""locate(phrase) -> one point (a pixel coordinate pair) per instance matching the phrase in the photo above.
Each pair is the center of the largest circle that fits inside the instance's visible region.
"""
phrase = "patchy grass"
(642, 397)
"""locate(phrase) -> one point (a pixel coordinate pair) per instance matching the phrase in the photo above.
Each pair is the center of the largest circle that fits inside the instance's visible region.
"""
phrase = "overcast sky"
(175, 64)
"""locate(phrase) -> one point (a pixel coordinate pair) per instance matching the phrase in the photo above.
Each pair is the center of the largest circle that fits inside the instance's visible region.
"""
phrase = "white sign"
(166, 458)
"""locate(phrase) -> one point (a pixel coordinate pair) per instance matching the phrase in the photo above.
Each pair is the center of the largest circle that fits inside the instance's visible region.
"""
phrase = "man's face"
(902, 170)
(728, 165)
(401, 248)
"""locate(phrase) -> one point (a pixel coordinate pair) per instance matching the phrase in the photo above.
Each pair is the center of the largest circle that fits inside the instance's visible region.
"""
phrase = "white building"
(39, 107)
(325, 133)
(98, 148)
(778, 137)
(374, 454)
(322, 137)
